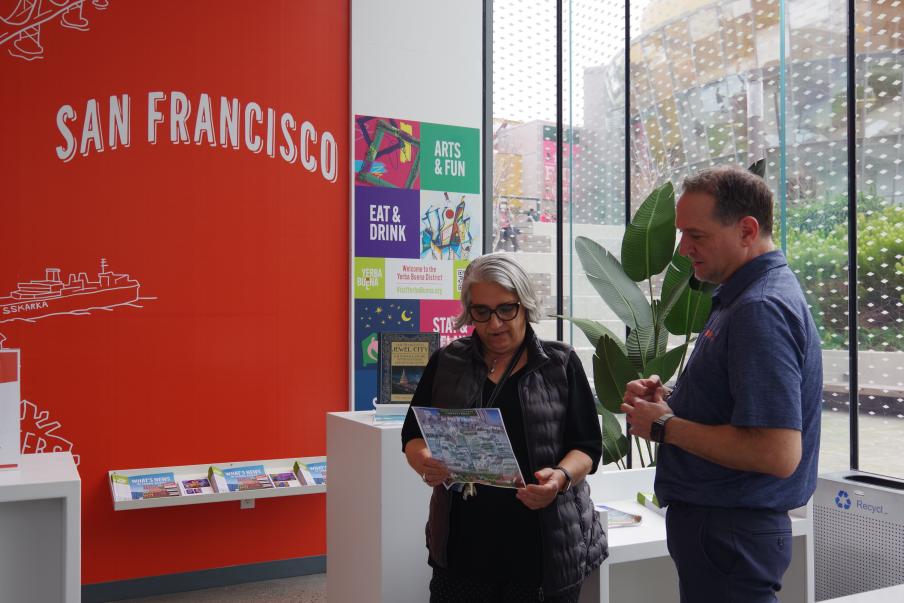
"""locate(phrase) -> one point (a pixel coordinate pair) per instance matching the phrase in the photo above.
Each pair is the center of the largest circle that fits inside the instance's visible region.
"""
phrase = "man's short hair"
(737, 192)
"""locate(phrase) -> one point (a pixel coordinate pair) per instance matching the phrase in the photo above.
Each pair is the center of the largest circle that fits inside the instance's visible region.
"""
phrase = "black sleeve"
(582, 424)
(422, 397)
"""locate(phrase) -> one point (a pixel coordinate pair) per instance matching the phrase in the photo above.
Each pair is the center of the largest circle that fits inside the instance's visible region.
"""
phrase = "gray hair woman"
(539, 541)
(503, 270)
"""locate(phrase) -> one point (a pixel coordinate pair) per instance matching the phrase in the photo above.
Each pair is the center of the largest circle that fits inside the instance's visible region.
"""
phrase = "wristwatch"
(657, 428)
(567, 479)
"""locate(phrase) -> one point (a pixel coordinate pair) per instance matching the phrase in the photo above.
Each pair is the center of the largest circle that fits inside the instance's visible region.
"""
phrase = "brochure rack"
(246, 497)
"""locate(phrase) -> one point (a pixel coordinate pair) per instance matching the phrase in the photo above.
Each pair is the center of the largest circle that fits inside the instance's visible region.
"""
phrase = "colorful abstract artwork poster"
(387, 152)
(450, 226)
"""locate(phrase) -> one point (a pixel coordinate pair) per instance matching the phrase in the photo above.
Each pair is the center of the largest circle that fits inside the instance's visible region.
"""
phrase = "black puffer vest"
(574, 543)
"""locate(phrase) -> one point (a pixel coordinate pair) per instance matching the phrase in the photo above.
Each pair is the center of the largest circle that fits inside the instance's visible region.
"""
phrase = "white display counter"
(892, 594)
(40, 530)
(638, 552)
(377, 509)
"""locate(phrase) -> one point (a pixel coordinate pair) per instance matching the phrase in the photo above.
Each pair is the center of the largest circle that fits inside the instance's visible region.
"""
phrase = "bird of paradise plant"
(647, 249)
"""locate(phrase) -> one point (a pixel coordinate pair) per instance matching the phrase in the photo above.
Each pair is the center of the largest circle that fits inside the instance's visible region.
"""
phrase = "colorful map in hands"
(473, 444)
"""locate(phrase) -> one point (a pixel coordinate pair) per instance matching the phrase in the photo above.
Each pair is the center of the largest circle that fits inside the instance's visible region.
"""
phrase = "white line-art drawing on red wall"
(77, 296)
(21, 27)
(39, 432)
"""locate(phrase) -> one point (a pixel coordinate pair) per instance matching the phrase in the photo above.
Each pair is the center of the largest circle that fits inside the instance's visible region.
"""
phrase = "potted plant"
(647, 250)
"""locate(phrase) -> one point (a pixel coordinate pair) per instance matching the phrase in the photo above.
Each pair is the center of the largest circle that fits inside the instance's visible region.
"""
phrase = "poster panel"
(418, 221)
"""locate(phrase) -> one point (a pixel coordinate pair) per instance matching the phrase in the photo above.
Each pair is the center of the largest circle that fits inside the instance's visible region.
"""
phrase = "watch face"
(656, 431)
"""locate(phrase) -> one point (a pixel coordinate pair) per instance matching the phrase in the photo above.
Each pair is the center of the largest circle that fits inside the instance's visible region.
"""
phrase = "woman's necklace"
(494, 363)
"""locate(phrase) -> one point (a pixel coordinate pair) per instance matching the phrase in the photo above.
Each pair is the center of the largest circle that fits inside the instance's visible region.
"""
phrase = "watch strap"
(657, 429)
(567, 475)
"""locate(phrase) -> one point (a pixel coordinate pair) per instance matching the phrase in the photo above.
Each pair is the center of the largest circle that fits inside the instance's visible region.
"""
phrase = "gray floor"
(303, 589)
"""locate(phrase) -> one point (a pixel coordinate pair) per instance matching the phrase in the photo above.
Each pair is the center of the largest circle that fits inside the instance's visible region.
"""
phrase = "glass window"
(709, 86)
(880, 235)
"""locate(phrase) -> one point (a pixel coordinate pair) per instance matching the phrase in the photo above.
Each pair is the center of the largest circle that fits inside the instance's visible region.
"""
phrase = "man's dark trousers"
(728, 555)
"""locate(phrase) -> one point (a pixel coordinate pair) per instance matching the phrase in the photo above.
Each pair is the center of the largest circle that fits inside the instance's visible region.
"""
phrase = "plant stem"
(639, 453)
(655, 350)
(615, 456)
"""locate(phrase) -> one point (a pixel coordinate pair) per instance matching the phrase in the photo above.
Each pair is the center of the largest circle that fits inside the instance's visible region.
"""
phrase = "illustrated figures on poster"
(446, 233)
(23, 24)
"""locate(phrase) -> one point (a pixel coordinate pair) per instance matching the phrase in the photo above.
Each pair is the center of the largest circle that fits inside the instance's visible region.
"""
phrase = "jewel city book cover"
(403, 358)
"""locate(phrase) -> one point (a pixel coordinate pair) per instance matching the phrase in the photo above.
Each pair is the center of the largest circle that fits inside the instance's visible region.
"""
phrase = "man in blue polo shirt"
(740, 430)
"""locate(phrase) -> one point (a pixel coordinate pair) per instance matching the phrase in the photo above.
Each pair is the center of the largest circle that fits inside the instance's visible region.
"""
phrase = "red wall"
(243, 347)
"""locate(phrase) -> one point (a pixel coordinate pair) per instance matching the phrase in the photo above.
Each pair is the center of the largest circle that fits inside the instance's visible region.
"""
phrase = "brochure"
(649, 500)
(390, 412)
(233, 479)
(149, 485)
(311, 474)
(284, 480)
(473, 443)
(618, 518)
(199, 485)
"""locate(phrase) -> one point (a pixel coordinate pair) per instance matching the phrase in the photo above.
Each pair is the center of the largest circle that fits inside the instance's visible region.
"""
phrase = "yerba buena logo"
(842, 500)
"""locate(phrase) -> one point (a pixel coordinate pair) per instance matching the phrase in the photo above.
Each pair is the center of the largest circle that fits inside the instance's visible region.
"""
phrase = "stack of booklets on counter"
(225, 478)
(618, 518)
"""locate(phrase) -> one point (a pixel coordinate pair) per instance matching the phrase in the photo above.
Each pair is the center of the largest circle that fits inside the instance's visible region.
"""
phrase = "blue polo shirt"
(757, 363)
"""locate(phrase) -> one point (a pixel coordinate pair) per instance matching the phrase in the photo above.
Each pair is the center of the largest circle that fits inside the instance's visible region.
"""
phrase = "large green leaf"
(615, 444)
(594, 330)
(666, 364)
(641, 346)
(690, 311)
(650, 237)
(680, 269)
(674, 285)
(611, 373)
(615, 287)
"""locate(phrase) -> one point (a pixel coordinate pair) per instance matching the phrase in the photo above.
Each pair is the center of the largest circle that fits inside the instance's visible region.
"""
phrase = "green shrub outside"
(817, 252)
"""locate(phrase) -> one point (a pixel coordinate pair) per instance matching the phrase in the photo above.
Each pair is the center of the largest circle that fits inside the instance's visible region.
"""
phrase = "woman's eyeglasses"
(505, 312)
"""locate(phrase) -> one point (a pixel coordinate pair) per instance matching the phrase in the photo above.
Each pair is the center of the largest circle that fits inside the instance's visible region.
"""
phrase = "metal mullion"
(487, 126)
(629, 460)
(560, 267)
(854, 395)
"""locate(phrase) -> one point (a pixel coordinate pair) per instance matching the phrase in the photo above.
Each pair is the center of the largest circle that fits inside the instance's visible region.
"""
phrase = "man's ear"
(750, 230)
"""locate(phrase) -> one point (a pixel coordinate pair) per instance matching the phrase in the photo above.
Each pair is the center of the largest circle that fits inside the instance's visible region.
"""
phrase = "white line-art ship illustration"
(23, 24)
(78, 295)
(39, 432)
